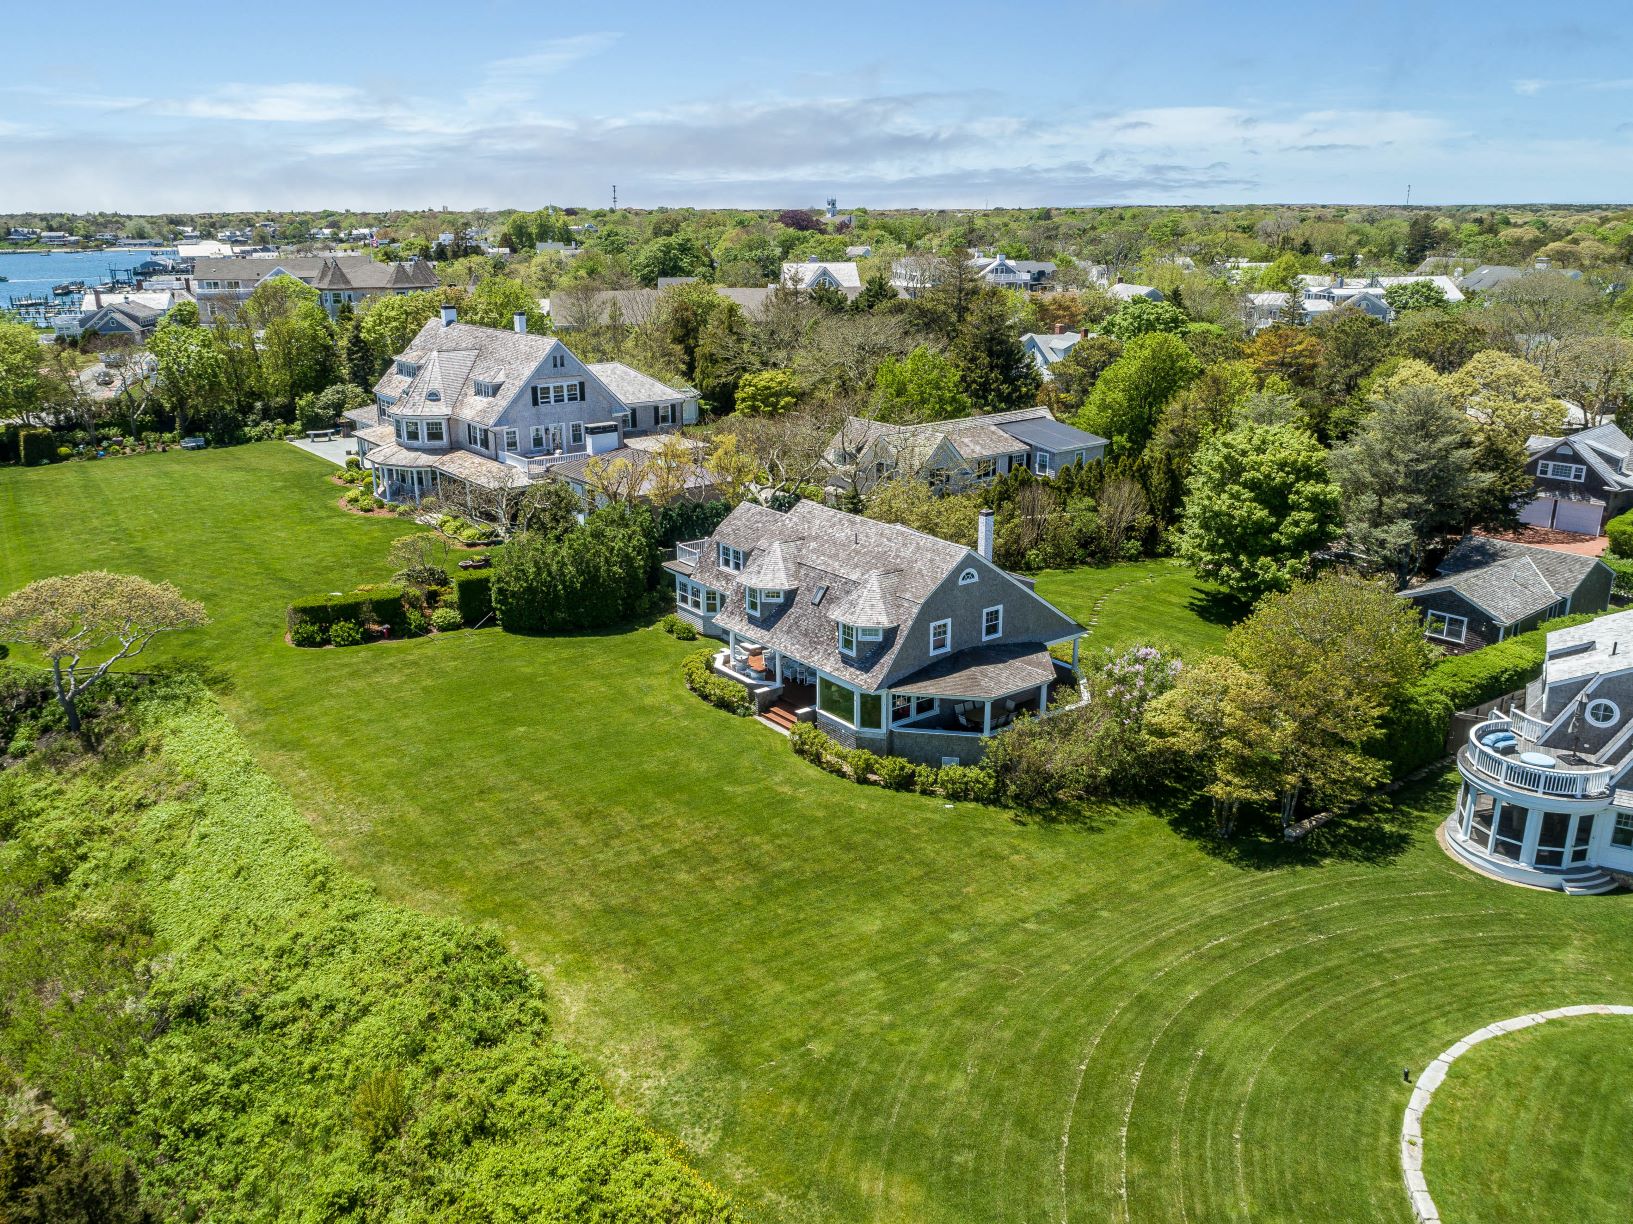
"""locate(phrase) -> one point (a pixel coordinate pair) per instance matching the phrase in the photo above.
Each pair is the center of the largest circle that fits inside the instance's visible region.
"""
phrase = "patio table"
(1538, 760)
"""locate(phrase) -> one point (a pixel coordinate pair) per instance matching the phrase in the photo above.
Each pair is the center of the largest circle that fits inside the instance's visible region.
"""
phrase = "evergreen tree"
(998, 375)
(1420, 239)
(355, 358)
(875, 293)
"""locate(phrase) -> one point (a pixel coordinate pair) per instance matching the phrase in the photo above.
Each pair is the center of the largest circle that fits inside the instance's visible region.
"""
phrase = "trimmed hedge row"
(474, 591)
(1622, 583)
(678, 628)
(971, 783)
(696, 669)
(373, 605)
(1417, 727)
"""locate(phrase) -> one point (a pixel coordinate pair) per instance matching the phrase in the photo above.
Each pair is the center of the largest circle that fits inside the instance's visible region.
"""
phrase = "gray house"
(467, 408)
(886, 638)
(958, 454)
(1580, 482)
(1489, 590)
(1545, 799)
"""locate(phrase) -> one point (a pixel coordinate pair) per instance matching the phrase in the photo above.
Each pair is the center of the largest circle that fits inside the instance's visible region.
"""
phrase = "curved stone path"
(1423, 1206)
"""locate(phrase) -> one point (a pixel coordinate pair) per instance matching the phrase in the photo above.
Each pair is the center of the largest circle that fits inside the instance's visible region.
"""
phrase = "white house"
(1544, 799)
(1005, 273)
(467, 408)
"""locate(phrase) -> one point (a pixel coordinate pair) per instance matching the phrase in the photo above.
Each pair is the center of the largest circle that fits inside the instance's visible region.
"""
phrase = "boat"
(4, 279)
(68, 287)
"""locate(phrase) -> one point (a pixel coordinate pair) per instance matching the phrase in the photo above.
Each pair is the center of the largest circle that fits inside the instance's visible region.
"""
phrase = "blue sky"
(492, 103)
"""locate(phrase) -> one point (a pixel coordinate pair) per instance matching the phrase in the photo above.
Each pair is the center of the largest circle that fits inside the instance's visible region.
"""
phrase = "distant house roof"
(1604, 448)
(633, 387)
(807, 274)
(636, 306)
(324, 272)
(1049, 347)
(1509, 580)
(974, 437)
(1127, 293)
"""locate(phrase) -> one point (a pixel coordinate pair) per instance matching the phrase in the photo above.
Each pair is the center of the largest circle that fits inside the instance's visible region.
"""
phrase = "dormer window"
(850, 636)
(486, 390)
(433, 395)
(731, 558)
(406, 368)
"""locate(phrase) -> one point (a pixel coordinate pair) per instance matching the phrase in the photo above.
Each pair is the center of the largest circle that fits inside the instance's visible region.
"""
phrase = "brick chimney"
(1059, 328)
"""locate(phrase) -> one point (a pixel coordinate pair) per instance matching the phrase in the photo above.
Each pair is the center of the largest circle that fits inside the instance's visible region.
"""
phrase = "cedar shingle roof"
(982, 672)
(1509, 580)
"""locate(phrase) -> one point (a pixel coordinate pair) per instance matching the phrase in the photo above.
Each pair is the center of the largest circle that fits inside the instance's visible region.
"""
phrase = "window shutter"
(581, 389)
(535, 391)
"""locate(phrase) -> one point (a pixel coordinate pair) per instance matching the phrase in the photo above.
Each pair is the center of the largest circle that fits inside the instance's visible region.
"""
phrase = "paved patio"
(335, 450)
(1547, 537)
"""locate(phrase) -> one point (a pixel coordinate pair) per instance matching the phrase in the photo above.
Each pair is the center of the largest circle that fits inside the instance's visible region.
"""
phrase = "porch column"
(986, 718)
(1043, 699)
(1076, 642)
(1533, 833)
(779, 669)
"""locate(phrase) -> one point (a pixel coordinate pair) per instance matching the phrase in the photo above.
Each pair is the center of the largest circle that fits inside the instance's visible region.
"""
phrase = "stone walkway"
(1423, 1206)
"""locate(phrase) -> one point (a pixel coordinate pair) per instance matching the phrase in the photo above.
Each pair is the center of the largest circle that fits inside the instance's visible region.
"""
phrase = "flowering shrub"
(1096, 747)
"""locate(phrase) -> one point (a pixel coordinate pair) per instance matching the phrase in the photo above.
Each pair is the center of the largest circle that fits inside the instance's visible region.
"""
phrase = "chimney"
(983, 534)
(1059, 328)
(519, 322)
(449, 314)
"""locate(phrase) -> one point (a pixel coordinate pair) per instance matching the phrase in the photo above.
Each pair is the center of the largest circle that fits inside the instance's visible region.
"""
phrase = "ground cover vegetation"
(744, 945)
(230, 1028)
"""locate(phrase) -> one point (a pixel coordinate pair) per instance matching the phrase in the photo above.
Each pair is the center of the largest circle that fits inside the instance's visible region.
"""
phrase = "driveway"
(1564, 541)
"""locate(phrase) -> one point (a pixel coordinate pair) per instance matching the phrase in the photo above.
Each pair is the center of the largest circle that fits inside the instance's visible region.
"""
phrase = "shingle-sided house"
(958, 454)
(1006, 273)
(1046, 348)
(816, 273)
(1488, 590)
(222, 285)
(885, 637)
(1580, 482)
(1543, 800)
(467, 407)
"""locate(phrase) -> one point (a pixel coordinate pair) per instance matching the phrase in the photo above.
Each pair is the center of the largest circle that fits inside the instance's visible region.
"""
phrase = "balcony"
(1527, 766)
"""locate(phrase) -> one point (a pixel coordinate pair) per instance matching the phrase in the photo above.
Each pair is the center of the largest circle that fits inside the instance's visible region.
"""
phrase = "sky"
(499, 104)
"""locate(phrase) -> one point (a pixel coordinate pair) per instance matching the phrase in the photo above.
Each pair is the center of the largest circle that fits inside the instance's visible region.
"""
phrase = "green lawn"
(848, 1004)
(1533, 1126)
(1140, 603)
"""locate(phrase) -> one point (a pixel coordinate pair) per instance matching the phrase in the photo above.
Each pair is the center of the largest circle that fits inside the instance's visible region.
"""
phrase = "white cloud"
(1529, 86)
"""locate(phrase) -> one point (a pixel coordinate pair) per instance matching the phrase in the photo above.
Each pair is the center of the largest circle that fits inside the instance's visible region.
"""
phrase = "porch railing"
(1562, 781)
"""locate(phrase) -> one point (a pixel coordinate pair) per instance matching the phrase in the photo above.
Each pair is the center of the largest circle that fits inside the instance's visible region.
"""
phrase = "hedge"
(36, 446)
(1622, 584)
(1416, 729)
(375, 605)
(698, 672)
(973, 783)
(473, 589)
(1620, 531)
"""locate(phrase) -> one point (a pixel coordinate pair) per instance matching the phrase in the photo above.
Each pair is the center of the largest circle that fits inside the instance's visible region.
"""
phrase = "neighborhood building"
(1542, 800)
(465, 409)
(1580, 482)
(886, 638)
(1489, 589)
(1125, 292)
(1005, 273)
(657, 468)
(222, 285)
(814, 273)
(955, 455)
(128, 313)
(1046, 348)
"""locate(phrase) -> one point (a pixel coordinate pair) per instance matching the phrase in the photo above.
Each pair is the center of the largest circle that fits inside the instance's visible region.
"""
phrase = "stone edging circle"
(1423, 1206)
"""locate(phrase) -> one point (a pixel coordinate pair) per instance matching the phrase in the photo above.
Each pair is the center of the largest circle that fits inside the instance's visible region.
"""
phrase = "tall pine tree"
(998, 374)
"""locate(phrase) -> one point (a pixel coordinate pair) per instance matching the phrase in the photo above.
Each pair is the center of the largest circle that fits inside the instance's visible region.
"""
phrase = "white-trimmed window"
(538, 437)
(847, 638)
(751, 600)
(1040, 463)
(1445, 626)
(666, 414)
(470, 434)
(870, 633)
(1622, 834)
(575, 433)
(941, 636)
(983, 469)
(992, 623)
(512, 440)
(1562, 471)
(731, 558)
(711, 601)
(433, 431)
(1603, 712)
(968, 576)
(486, 390)
(411, 431)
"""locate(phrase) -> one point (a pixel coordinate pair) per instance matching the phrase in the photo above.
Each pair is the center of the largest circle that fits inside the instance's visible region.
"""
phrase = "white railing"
(687, 554)
(533, 465)
(1527, 727)
(1562, 781)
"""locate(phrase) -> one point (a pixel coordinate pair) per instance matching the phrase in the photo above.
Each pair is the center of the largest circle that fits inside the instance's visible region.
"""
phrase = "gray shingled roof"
(867, 605)
(836, 556)
(982, 672)
(1509, 580)
(331, 272)
(1051, 435)
(448, 354)
(773, 567)
(633, 387)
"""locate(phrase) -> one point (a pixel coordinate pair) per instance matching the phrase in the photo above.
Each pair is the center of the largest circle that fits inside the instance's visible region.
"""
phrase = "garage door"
(1539, 512)
(1578, 516)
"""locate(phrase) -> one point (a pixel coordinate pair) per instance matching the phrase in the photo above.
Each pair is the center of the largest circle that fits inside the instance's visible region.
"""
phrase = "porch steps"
(780, 716)
(1587, 883)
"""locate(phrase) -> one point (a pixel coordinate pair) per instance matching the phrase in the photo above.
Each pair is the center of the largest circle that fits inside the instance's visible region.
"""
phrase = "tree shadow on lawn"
(1217, 607)
(1376, 833)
